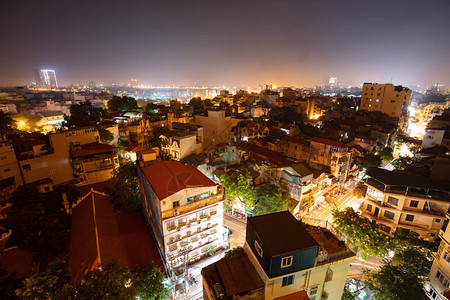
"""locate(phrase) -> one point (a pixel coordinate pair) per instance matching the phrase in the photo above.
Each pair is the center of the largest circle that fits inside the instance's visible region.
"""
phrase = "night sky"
(242, 43)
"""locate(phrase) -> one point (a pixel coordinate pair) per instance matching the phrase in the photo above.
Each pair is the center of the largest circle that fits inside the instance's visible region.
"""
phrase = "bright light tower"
(46, 78)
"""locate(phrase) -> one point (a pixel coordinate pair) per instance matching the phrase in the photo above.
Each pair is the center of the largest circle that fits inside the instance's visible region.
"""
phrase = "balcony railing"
(192, 206)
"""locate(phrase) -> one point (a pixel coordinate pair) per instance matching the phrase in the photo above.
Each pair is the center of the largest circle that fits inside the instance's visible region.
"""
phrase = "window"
(413, 203)
(392, 200)
(26, 167)
(47, 189)
(392, 101)
(176, 203)
(7, 170)
(313, 290)
(288, 280)
(389, 215)
(369, 207)
(409, 218)
(438, 220)
(258, 248)
(446, 257)
(286, 261)
(442, 279)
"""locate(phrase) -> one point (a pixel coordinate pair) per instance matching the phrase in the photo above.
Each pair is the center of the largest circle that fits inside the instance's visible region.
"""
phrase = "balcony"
(180, 210)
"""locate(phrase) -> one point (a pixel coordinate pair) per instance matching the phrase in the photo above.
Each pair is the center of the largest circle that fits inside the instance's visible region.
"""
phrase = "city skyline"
(227, 44)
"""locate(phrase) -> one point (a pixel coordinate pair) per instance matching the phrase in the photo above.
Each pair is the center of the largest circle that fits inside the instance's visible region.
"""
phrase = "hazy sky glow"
(226, 42)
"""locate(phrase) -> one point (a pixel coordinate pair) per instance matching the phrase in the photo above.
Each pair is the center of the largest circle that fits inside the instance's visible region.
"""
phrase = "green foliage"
(307, 201)
(123, 187)
(122, 104)
(106, 137)
(402, 162)
(84, 114)
(39, 222)
(52, 284)
(271, 200)
(347, 295)
(148, 282)
(394, 282)
(196, 102)
(370, 160)
(239, 185)
(6, 121)
(360, 190)
(8, 285)
(360, 232)
(386, 154)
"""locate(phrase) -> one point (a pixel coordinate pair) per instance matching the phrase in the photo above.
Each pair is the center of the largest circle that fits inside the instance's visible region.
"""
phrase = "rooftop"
(92, 149)
(235, 272)
(53, 113)
(401, 178)
(170, 177)
(265, 154)
(277, 230)
(329, 142)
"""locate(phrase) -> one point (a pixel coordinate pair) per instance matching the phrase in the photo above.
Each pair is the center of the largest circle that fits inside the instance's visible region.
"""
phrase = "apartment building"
(330, 156)
(438, 282)
(397, 199)
(8, 163)
(216, 128)
(426, 113)
(185, 210)
(282, 259)
(93, 162)
(386, 98)
(179, 144)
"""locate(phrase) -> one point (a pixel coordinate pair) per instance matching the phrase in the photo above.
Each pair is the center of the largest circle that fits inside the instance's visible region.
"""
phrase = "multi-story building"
(46, 79)
(396, 199)
(179, 144)
(438, 282)
(433, 137)
(216, 128)
(385, 98)
(282, 259)
(185, 210)
(330, 156)
(426, 113)
(94, 162)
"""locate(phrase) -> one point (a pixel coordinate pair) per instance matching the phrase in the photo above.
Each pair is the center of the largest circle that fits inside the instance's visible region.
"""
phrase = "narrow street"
(237, 228)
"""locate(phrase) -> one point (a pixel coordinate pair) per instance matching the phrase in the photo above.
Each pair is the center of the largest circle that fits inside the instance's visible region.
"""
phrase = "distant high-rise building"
(386, 98)
(46, 79)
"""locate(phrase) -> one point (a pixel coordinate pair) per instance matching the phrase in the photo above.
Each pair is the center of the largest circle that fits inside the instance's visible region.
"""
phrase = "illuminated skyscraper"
(46, 79)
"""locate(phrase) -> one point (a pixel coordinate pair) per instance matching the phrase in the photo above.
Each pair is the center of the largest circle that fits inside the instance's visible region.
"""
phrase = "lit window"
(286, 261)
(258, 248)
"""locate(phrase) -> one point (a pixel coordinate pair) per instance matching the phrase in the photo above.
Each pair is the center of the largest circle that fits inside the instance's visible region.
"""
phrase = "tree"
(123, 189)
(361, 232)
(271, 200)
(5, 121)
(116, 282)
(8, 285)
(52, 284)
(402, 162)
(386, 154)
(370, 160)
(239, 185)
(84, 114)
(39, 222)
(307, 201)
(106, 137)
(196, 102)
(360, 190)
(394, 282)
(122, 104)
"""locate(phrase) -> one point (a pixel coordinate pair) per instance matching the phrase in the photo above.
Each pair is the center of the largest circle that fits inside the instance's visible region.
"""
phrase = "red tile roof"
(137, 240)
(265, 154)
(92, 148)
(101, 187)
(170, 177)
(94, 237)
(329, 142)
(18, 261)
(301, 295)
(294, 140)
(135, 147)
